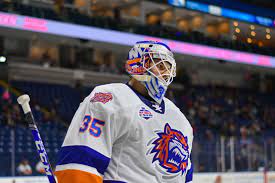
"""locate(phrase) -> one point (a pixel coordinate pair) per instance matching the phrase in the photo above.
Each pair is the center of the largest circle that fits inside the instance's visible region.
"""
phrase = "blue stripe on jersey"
(112, 181)
(83, 155)
(189, 175)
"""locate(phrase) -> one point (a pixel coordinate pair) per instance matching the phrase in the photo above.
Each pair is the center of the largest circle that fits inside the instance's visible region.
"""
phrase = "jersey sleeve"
(86, 150)
(189, 174)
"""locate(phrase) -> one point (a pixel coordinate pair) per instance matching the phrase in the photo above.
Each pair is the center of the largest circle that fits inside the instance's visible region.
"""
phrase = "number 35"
(93, 124)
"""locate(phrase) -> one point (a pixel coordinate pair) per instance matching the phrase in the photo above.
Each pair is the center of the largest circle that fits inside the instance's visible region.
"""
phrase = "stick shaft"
(40, 147)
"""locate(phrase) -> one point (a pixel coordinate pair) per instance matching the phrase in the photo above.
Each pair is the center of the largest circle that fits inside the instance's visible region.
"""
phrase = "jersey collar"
(153, 105)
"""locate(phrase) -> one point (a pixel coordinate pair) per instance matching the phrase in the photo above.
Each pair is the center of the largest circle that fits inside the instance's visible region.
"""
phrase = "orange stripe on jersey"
(77, 176)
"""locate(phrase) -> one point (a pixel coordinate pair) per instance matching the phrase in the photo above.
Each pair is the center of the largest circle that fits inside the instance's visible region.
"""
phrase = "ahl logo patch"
(171, 151)
(102, 97)
(144, 113)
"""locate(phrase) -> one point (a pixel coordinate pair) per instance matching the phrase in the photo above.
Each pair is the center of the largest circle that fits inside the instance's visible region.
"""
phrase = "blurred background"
(58, 50)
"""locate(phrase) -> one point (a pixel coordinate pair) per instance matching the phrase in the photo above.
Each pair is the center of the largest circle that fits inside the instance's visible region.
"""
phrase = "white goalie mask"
(153, 64)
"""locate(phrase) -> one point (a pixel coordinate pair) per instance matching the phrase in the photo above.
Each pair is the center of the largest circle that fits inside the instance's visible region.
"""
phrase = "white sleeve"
(92, 133)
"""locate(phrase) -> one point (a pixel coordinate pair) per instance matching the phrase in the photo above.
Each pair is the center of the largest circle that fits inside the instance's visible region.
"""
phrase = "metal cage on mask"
(148, 58)
(153, 64)
(163, 64)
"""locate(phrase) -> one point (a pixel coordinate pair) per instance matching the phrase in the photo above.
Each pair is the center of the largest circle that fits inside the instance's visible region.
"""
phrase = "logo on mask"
(171, 151)
(161, 92)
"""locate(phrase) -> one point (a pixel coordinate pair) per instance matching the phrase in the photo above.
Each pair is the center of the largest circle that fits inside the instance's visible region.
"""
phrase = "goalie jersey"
(119, 136)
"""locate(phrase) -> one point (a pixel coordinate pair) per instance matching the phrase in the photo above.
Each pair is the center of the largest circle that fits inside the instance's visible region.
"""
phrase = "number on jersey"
(93, 125)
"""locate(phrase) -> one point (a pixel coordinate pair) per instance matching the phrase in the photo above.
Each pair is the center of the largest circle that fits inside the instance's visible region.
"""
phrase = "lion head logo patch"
(170, 150)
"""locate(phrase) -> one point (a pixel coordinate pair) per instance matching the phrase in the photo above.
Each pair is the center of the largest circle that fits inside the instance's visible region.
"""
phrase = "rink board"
(244, 177)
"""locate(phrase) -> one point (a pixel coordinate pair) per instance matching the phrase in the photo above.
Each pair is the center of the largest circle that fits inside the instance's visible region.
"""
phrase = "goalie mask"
(153, 64)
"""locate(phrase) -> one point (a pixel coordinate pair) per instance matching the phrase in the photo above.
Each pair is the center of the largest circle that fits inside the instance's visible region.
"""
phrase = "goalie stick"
(24, 100)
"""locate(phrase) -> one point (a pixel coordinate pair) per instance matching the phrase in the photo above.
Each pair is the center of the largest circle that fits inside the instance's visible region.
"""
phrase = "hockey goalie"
(130, 133)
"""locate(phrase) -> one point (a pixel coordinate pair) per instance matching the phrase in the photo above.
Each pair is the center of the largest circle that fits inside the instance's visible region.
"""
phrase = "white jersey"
(123, 137)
